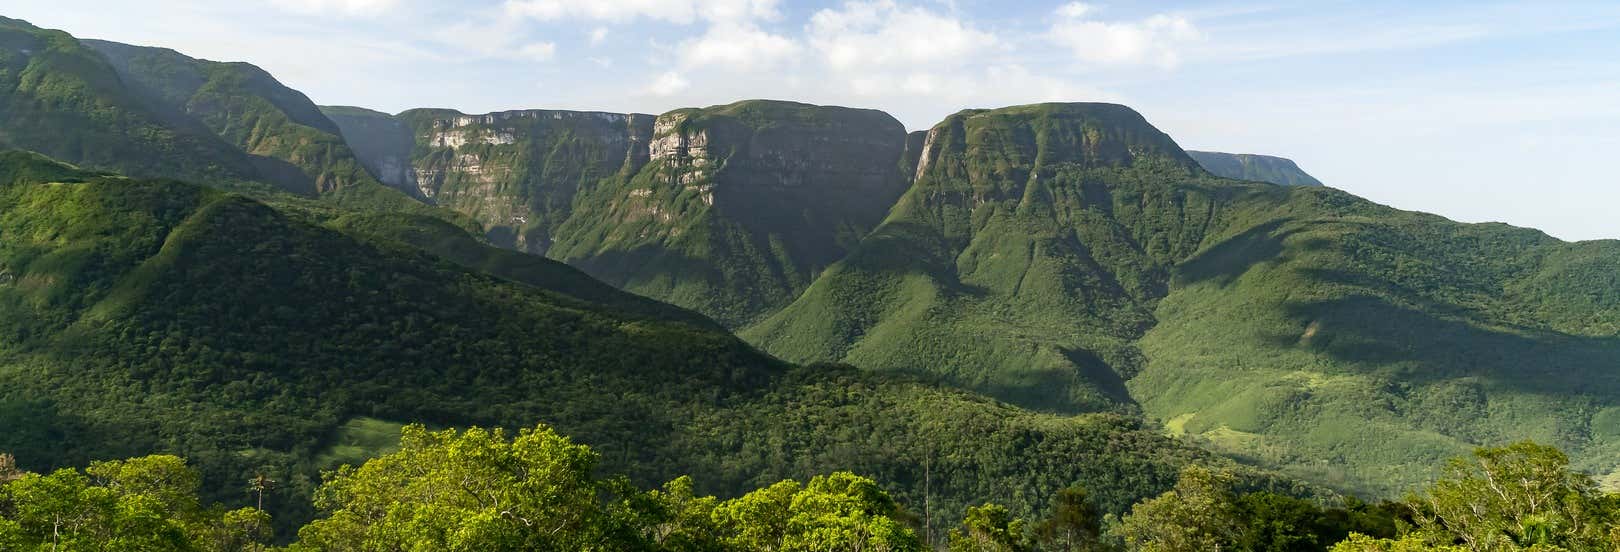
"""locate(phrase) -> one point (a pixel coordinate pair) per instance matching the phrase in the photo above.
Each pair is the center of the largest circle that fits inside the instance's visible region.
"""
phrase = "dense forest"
(538, 490)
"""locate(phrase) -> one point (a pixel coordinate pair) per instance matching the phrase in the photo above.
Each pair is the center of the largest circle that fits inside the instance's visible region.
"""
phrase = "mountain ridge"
(1260, 168)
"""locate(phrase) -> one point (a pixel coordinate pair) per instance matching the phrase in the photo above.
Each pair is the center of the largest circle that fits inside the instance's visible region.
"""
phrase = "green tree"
(147, 503)
(1515, 497)
(1075, 524)
(680, 521)
(990, 528)
(471, 490)
(841, 511)
(1198, 515)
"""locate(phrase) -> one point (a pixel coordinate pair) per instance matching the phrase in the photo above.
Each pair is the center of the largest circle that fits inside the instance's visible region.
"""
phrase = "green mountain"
(1024, 262)
(141, 316)
(153, 112)
(1069, 257)
(729, 210)
(1259, 168)
(61, 97)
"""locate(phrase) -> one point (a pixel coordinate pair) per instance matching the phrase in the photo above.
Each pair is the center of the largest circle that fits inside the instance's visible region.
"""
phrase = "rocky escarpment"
(516, 172)
(740, 206)
(383, 143)
(728, 210)
(1258, 168)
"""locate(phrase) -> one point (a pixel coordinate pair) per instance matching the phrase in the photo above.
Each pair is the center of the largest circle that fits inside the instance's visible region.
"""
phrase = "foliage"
(1199, 514)
(472, 490)
(1519, 497)
(476, 490)
(841, 511)
(1363, 543)
(990, 528)
(148, 503)
(1075, 524)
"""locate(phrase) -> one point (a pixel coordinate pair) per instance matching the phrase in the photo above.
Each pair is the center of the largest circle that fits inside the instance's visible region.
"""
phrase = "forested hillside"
(155, 316)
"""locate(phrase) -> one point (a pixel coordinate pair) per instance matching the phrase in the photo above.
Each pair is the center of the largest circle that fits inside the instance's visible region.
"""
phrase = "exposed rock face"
(741, 206)
(1259, 168)
(517, 172)
(729, 210)
(382, 142)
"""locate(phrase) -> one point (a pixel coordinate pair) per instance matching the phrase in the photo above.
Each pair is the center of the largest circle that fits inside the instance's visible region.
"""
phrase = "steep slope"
(1259, 168)
(153, 112)
(293, 144)
(62, 98)
(1023, 263)
(141, 316)
(382, 143)
(1068, 257)
(739, 206)
(728, 210)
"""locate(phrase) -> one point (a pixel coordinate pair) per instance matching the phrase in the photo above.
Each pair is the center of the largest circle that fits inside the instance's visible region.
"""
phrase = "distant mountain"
(141, 316)
(153, 112)
(728, 210)
(1259, 168)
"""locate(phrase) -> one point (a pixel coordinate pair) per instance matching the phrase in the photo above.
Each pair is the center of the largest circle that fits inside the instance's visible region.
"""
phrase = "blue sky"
(1479, 111)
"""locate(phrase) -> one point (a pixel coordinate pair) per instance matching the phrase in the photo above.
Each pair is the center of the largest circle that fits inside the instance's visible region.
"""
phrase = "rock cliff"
(729, 210)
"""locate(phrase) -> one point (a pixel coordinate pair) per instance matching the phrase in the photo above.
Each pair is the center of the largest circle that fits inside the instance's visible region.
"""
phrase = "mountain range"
(1007, 303)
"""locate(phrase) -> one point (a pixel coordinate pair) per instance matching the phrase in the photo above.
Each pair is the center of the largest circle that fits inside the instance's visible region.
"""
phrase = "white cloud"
(598, 35)
(883, 34)
(668, 84)
(337, 7)
(737, 46)
(1157, 40)
(537, 51)
(618, 11)
(1074, 10)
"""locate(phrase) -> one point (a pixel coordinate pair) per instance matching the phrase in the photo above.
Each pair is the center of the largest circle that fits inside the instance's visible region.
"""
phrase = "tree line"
(484, 489)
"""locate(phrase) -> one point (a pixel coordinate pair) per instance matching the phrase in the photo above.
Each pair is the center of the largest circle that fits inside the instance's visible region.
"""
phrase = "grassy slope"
(144, 316)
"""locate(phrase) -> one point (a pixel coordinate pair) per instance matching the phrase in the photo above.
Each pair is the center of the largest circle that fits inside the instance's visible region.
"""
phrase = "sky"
(1478, 111)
